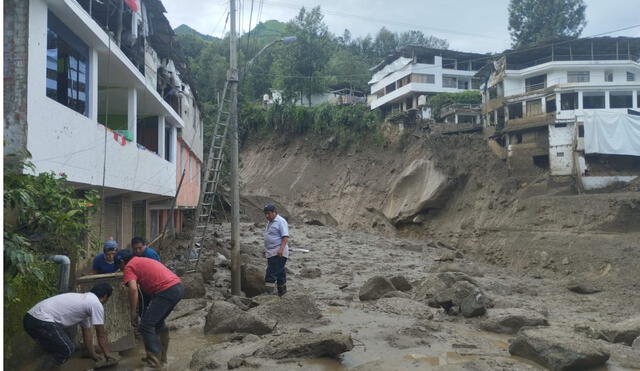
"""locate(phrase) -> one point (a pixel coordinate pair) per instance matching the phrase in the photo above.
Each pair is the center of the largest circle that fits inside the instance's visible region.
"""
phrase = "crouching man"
(276, 251)
(165, 290)
(47, 320)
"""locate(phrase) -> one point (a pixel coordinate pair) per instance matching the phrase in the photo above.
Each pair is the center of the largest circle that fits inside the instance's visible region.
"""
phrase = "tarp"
(611, 133)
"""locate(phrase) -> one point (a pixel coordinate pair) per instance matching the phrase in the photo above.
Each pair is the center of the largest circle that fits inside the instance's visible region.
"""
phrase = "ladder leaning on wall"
(210, 181)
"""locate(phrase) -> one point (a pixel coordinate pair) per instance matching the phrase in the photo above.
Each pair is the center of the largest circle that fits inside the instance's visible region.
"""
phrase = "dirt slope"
(533, 223)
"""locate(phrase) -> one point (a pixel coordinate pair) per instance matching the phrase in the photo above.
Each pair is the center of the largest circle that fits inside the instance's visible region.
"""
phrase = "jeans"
(152, 322)
(276, 271)
(51, 337)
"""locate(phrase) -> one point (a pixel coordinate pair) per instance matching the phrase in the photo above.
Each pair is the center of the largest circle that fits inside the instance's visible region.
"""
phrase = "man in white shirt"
(46, 321)
(276, 250)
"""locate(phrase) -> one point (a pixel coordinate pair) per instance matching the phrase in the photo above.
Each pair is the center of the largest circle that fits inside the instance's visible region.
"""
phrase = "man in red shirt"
(165, 290)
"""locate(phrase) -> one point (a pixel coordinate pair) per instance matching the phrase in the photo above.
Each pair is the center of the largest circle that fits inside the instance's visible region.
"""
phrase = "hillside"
(183, 29)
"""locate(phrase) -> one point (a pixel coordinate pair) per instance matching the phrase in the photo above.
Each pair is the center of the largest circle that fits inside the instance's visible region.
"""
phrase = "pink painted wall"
(190, 191)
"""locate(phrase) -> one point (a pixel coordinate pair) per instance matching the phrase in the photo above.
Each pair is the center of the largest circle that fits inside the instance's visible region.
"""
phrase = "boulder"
(558, 349)
(420, 186)
(207, 267)
(622, 332)
(252, 280)
(242, 302)
(310, 272)
(193, 284)
(375, 287)
(583, 287)
(224, 317)
(636, 345)
(510, 320)
(474, 305)
(291, 308)
(305, 345)
(401, 283)
(205, 358)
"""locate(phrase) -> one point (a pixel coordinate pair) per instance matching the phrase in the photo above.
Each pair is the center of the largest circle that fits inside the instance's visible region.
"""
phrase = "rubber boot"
(269, 289)
(282, 289)
(153, 361)
(164, 343)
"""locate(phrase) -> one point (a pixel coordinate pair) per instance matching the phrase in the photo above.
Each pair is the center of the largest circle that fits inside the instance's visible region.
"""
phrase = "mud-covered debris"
(252, 280)
(291, 308)
(375, 288)
(474, 305)
(224, 317)
(307, 345)
(401, 283)
(622, 332)
(558, 349)
(583, 287)
(510, 320)
(193, 284)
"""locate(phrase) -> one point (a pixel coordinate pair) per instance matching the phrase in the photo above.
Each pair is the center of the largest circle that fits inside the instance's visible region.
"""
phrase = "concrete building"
(536, 101)
(98, 93)
(403, 77)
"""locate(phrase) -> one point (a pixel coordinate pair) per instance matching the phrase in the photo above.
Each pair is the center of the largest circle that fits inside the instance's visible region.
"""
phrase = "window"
(403, 81)
(515, 111)
(560, 154)
(631, 76)
(578, 76)
(535, 83)
(463, 84)
(449, 82)
(190, 168)
(389, 88)
(449, 63)
(550, 103)
(476, 83)
(621, 99)
(534, 107)
(580, 131)
(183, 160)
(423, 78)
(593, 100)
(563, 125)
(429, 59)
(67, 66)
(568, 101)
(608, 76)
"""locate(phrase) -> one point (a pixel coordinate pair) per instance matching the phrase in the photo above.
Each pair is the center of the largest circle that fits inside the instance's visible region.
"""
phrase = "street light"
(234, 80)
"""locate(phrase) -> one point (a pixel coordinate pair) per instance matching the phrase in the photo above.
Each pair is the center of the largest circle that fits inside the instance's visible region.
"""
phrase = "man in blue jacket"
(141, 249)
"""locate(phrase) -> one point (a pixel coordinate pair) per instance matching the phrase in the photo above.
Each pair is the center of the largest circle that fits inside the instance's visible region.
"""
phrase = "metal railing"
(573, 57)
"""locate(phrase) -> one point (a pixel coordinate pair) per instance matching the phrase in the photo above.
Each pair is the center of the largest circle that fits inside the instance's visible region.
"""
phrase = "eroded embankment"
(454, 188)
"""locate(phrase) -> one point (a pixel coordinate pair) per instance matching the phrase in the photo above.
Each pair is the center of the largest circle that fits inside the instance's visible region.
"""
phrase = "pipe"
(65, 264)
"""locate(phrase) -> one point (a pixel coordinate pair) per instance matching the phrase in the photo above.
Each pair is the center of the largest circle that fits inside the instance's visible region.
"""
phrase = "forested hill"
(183, 29)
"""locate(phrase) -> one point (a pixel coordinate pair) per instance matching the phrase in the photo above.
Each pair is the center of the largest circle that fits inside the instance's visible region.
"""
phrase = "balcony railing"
(532, 87)
(457, 107)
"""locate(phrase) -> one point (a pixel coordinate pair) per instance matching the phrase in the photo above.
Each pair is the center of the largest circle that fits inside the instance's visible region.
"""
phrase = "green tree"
(532, 21)
(297, 67)
(385, 43)
(415, 37)
(347, 68)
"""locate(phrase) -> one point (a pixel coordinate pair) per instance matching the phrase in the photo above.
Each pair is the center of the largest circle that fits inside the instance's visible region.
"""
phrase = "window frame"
(579, 76)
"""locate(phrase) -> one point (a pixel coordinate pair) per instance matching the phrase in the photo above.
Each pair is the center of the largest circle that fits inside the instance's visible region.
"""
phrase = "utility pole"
(235, 184)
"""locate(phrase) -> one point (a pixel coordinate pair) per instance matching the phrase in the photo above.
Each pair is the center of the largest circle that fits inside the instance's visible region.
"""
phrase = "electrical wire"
(249, 32)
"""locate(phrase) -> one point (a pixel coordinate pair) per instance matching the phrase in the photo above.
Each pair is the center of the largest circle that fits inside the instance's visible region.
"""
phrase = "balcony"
(530, 122)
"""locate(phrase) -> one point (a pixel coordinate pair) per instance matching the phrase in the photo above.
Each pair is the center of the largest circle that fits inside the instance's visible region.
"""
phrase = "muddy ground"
(394, 333)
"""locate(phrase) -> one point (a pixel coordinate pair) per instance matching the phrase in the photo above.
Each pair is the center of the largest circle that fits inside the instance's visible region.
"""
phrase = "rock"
(207, 268)
(636, 344)
(558, 349)
(583, 287)
(310, 273)
(307, 346)
(375, 287)
(622, 332)
(312, 217)
(242, 302)
(193, 284)
(396, 294)
(420, 186)
(252, 280)
(565, 261)
(237, 362)
(510, 320)
(186, 307)
(401, 283)
(291, 308)
(224, 317)
(404, 307)
(448, 256)
(473, 305)
(205, 358)
(450, 277)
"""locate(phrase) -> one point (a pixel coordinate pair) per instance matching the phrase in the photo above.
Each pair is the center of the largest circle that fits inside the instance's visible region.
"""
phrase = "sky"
(468, 25)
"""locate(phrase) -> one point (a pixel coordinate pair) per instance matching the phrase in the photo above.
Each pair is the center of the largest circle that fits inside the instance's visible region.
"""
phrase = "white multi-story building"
(414, 71)
(103, 99)
(536, 101)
